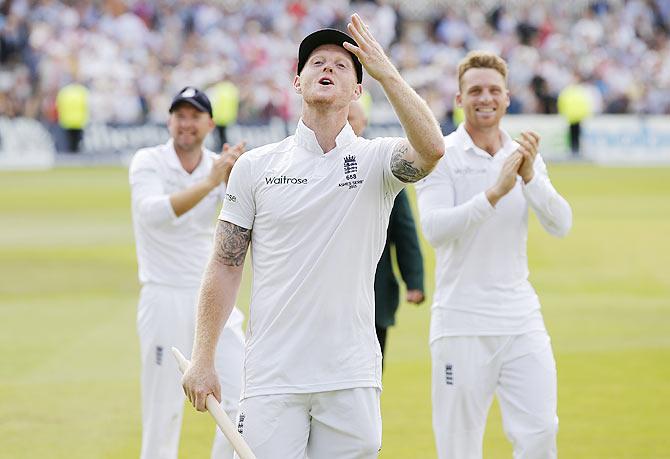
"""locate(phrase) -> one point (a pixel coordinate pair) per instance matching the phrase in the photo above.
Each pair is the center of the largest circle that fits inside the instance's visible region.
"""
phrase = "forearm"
(407, 249)
(184, 200)
(493, 195)
(418, 122)
(444, 225)
(218, 292)
(413, 160)
(412, 276)
(219, 288)
(217, 298)
(410, 262)
(552, 210)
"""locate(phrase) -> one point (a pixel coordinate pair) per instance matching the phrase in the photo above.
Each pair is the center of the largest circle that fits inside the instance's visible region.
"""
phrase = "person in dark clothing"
(547, 102)
(401, 234)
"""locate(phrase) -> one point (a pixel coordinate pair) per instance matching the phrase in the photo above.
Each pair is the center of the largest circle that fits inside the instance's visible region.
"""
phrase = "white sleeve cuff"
(158, 210)
(235, 220)
(534, 183)
(482, 206)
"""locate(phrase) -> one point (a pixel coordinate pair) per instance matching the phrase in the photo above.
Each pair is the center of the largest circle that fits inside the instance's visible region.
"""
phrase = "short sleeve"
(383, 151)
(239, 206)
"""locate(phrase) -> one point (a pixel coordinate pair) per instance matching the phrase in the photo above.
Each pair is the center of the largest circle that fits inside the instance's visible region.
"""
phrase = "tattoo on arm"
(403, 169)
(232, 242)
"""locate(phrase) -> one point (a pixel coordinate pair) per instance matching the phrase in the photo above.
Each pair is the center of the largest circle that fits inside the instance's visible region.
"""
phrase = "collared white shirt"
(318, 227)
(171, 250)
(481, 278)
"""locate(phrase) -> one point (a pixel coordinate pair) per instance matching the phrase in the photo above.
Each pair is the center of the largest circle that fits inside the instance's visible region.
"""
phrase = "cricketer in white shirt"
(487, 333)
(481, 273)
(319, 225)
(315, 208)
(172, 252)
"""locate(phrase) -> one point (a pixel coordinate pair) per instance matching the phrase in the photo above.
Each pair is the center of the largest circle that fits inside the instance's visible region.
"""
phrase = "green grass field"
(69, 379)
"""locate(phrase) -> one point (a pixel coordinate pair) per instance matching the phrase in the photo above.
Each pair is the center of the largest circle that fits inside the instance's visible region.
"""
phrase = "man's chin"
(324, 100)
(487, 121)
(187, 146)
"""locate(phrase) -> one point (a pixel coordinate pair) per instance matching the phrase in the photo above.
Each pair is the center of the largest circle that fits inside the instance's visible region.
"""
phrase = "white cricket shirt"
(318, 227)
(481, 277)
(171, 250)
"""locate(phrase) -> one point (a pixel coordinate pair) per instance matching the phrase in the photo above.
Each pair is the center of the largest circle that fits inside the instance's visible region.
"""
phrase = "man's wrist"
(205, 361)
(392, 77)
(493, 195)
(210, 183)
(528, 177)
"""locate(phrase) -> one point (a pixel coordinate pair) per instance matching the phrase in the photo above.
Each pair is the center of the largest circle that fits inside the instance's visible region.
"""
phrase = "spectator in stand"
(226, 99)
(621, 47)
(72, 103)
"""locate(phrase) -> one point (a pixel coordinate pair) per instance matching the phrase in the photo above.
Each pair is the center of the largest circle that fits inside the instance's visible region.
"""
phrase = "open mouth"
(186, 137)
(325, 81)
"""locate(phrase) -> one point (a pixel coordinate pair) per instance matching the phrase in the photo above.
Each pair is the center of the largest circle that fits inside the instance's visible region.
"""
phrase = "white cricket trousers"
(339, 424)
(469, 370)
(166, 318)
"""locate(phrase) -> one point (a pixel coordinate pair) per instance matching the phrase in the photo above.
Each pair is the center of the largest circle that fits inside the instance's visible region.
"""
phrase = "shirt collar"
(466, 143)
(509, 145)
(306, 138)
(174, 162)
(171, 155)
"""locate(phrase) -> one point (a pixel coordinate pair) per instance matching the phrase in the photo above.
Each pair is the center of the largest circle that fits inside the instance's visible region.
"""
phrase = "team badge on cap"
(193, 97)
(188, 92)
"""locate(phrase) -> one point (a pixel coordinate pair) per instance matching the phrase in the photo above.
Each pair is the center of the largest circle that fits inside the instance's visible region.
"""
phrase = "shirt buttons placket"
(491, 172)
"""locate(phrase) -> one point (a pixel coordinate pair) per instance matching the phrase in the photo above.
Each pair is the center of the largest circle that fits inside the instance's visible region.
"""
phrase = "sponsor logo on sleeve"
(231, 197)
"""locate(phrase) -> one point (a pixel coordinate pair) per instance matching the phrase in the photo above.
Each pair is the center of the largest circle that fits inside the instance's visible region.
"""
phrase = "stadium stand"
(132, 54)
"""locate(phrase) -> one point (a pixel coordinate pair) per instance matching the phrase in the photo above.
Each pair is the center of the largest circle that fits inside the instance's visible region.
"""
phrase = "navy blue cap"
(193, 96)
(326, 37)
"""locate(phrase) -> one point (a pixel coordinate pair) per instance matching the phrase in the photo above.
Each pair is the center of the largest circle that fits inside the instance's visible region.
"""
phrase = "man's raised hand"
(506, 179)
(529, 142)
(369, 52)
(222, 165)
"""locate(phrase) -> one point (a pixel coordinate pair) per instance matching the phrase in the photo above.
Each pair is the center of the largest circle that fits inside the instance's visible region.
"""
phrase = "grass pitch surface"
(69, 379)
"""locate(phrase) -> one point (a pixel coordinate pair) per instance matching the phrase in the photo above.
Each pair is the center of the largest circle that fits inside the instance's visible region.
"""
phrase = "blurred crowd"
(133, 55)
